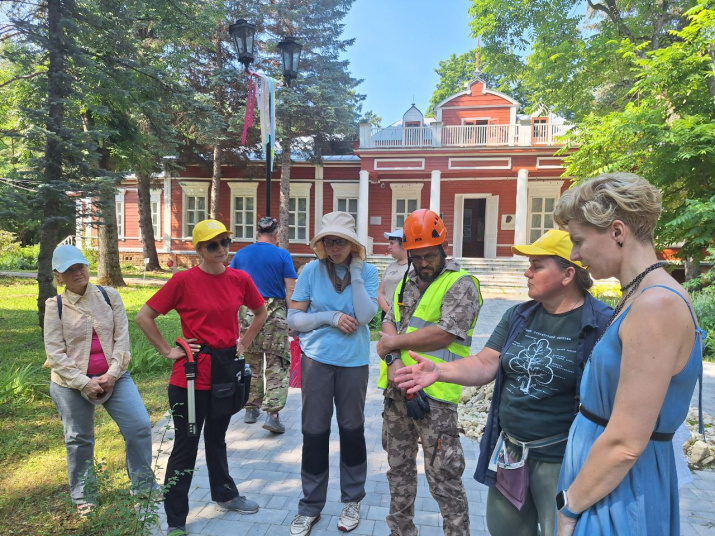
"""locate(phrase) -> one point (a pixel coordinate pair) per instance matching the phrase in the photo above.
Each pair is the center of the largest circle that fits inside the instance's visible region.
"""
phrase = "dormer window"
(413, 124)
(540, 129)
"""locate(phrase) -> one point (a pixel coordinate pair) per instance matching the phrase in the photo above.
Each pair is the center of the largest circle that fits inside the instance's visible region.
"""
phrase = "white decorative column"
(520, 223)
(167, 214)
(319, 203)
(434, 200)
(363, 218)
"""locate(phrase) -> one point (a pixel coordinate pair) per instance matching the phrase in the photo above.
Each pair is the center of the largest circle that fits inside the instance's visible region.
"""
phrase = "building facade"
(491, 173)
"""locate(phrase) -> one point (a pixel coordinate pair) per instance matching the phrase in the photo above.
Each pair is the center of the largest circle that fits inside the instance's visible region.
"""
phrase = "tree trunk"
(284, 208)
(145, 224)
(692, 268)
(53, 155)
(215, 182)
(109, 272)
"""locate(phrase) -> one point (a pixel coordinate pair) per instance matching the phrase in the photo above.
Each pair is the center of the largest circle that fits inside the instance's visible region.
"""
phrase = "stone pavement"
(266, 468)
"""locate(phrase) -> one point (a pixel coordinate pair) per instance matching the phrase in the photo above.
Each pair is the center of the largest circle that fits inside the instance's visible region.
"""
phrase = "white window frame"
(156, 215)
(407, 192)
(347, 192)
(543, 190)
(119, 206)
(298, 191)
(245, 190)
(192, 189)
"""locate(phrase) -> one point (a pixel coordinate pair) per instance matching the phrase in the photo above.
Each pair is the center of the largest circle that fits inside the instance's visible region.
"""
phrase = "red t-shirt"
(208, 307)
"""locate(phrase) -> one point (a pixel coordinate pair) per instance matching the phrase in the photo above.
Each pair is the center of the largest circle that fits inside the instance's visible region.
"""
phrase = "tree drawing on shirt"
(533, 365)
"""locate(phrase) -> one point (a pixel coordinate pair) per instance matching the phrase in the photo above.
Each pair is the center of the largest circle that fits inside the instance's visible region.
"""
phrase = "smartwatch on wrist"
(562, 505)
(389, 359)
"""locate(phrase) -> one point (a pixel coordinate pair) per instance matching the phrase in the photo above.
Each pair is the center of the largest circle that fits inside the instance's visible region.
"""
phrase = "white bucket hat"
(339, 224)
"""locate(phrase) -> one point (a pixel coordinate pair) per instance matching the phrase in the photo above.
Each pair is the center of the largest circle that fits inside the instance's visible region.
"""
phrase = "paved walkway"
(267, 470)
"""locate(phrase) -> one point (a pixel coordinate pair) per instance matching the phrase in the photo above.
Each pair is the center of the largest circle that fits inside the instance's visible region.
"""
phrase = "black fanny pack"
(230, 381)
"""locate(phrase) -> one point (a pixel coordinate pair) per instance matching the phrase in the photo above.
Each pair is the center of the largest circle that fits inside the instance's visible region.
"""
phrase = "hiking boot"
(302, 525)
(251, 415)
(238, 504)
(177, 531)
(350, 517)
(85, 509)
(273, 423)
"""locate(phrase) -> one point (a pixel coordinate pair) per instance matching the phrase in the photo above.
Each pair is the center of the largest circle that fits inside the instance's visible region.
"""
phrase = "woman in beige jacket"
(87, 346)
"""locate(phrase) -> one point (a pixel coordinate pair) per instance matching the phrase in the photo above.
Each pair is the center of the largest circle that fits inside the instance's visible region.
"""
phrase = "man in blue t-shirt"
(271, 269)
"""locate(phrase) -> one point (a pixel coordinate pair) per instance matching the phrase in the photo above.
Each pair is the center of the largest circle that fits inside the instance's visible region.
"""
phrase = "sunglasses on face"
(328, 242)
(430, 258)
(212, 247)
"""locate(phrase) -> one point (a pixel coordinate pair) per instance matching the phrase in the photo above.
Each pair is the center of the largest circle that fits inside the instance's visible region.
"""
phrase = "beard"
(434, 275)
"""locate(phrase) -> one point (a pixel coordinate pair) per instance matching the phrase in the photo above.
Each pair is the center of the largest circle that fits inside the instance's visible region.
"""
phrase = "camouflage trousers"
(444, 464)
(269, 387)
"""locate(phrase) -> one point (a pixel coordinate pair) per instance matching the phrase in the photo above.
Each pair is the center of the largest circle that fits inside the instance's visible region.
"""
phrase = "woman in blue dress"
(618, 475)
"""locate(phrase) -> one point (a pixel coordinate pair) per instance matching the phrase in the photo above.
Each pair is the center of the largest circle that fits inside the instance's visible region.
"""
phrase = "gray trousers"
(539, 510)
(345, 387)
(125, 406)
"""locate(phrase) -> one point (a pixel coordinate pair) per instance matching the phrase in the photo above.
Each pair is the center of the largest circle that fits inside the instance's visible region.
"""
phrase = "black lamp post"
(243, 33)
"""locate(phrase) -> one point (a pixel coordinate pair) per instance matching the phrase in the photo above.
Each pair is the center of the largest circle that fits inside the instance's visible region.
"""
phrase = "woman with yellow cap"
(207, 298)
(535, 356)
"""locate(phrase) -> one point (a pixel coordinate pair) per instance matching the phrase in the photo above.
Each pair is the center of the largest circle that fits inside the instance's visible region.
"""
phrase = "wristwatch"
(562, 505)
(389, 359)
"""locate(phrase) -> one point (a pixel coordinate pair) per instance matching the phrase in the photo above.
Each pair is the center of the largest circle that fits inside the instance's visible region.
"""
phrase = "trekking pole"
(190, 370)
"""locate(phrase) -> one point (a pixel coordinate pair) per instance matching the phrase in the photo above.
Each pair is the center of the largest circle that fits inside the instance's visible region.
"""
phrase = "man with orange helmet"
(433, 314)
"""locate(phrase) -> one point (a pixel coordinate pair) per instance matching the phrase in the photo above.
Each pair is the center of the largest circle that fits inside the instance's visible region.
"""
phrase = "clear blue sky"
(398, 45)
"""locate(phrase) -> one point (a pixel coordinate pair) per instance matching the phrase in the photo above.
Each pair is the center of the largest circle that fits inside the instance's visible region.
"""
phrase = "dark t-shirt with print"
(537, 399)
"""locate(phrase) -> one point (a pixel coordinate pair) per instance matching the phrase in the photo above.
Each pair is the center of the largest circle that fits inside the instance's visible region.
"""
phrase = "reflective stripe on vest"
(426, 314)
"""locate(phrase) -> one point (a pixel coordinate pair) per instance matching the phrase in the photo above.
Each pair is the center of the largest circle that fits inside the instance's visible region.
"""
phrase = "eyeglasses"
(430, 258)
(328, 242)
(212, 247)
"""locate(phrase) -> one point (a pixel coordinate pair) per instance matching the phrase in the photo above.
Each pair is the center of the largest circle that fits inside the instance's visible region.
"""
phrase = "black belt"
(655, 436)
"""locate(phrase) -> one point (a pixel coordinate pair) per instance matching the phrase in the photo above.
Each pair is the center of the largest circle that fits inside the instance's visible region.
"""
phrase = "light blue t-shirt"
(327, 344)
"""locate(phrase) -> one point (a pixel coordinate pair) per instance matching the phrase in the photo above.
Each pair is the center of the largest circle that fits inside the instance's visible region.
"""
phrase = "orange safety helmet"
(423, 228)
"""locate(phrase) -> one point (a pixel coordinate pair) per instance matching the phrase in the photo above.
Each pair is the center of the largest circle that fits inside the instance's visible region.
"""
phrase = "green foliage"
(376, 326)
(20, 384)
(704, 305)
(145, 358)
(15, 257)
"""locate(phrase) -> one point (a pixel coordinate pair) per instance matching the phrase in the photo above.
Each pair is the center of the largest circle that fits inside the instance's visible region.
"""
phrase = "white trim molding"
(419, 161)
(480, 163)
(192, 189)
(243, 189)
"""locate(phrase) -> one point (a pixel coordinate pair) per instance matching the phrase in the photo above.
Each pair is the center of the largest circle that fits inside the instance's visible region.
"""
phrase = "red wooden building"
(489, 171)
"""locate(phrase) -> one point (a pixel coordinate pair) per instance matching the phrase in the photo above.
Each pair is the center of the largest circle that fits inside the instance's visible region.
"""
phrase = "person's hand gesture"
(565, 525)
(347, 324)
(356, 264)
(418, 376)
(92, 389)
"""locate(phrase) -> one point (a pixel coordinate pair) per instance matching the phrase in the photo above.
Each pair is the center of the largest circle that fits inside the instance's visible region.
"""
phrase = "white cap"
(66, 256)
(397, 233)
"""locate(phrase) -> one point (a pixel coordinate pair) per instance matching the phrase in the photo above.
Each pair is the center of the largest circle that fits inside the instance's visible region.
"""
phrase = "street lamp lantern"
(290, 52)
(243, 33)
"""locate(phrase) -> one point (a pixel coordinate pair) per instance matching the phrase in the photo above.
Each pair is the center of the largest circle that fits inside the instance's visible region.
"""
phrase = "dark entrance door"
(473, 227)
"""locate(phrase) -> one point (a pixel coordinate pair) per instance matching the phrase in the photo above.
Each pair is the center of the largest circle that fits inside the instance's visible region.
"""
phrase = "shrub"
(145, 358)
(19, 384)
(704, 305)
(15, 257)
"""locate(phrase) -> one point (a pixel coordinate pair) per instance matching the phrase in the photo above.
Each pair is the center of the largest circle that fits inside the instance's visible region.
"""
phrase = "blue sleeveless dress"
(646, 501)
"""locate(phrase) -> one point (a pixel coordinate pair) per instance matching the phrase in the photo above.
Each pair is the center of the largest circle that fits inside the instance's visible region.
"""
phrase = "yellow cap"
(206, 230)
(553, 242)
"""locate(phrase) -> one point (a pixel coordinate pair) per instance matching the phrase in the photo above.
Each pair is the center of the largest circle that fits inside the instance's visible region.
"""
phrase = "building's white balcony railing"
(438, 135)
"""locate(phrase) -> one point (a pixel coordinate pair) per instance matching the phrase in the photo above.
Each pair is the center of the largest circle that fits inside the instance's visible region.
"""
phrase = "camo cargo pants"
(271, 341)
(444, 464)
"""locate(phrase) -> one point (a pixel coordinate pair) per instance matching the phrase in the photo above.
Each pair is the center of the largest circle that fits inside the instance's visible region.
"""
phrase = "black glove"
(417, 405)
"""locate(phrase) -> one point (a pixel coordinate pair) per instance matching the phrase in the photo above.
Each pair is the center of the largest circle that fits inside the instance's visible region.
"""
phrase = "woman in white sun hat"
(87, 344)
(335, 299)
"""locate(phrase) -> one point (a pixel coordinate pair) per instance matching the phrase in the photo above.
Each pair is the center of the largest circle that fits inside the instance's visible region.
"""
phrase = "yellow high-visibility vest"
(428, 314)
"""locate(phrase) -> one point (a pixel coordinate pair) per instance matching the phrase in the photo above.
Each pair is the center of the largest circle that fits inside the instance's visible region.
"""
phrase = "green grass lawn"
(34, 492)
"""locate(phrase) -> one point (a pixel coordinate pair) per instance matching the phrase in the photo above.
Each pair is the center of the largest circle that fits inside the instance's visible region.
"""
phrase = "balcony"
(438, 135)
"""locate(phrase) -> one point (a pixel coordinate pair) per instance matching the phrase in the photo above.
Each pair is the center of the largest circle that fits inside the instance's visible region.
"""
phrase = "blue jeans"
(125, 406)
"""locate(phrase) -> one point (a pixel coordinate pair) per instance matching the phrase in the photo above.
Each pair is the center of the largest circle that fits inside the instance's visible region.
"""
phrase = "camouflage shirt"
(459, 307)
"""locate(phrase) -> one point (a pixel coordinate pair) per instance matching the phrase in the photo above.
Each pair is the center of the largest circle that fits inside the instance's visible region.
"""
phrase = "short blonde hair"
(613, 196)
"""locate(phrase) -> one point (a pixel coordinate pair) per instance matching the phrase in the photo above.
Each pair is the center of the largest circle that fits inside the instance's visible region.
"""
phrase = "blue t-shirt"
(268, 266)
(327, 344)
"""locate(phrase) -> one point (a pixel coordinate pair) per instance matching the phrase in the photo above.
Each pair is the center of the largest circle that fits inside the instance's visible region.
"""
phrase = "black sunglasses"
(328, 242)
(212, 247)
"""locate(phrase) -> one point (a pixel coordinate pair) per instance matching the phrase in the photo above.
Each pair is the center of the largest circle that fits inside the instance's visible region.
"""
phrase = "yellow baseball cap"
(553, 242)
(206, 230)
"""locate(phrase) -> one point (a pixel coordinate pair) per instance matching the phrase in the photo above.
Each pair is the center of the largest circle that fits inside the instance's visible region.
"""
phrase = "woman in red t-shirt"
(207, 298)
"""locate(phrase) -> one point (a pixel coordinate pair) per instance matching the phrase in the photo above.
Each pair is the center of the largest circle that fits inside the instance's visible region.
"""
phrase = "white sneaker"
(302, 525)
(350, 517)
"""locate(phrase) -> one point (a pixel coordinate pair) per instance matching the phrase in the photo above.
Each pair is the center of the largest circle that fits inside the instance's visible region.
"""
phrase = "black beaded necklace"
(633, 286)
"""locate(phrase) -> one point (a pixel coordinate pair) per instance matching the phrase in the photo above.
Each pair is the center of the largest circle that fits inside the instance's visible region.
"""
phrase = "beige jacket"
(68, 340)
